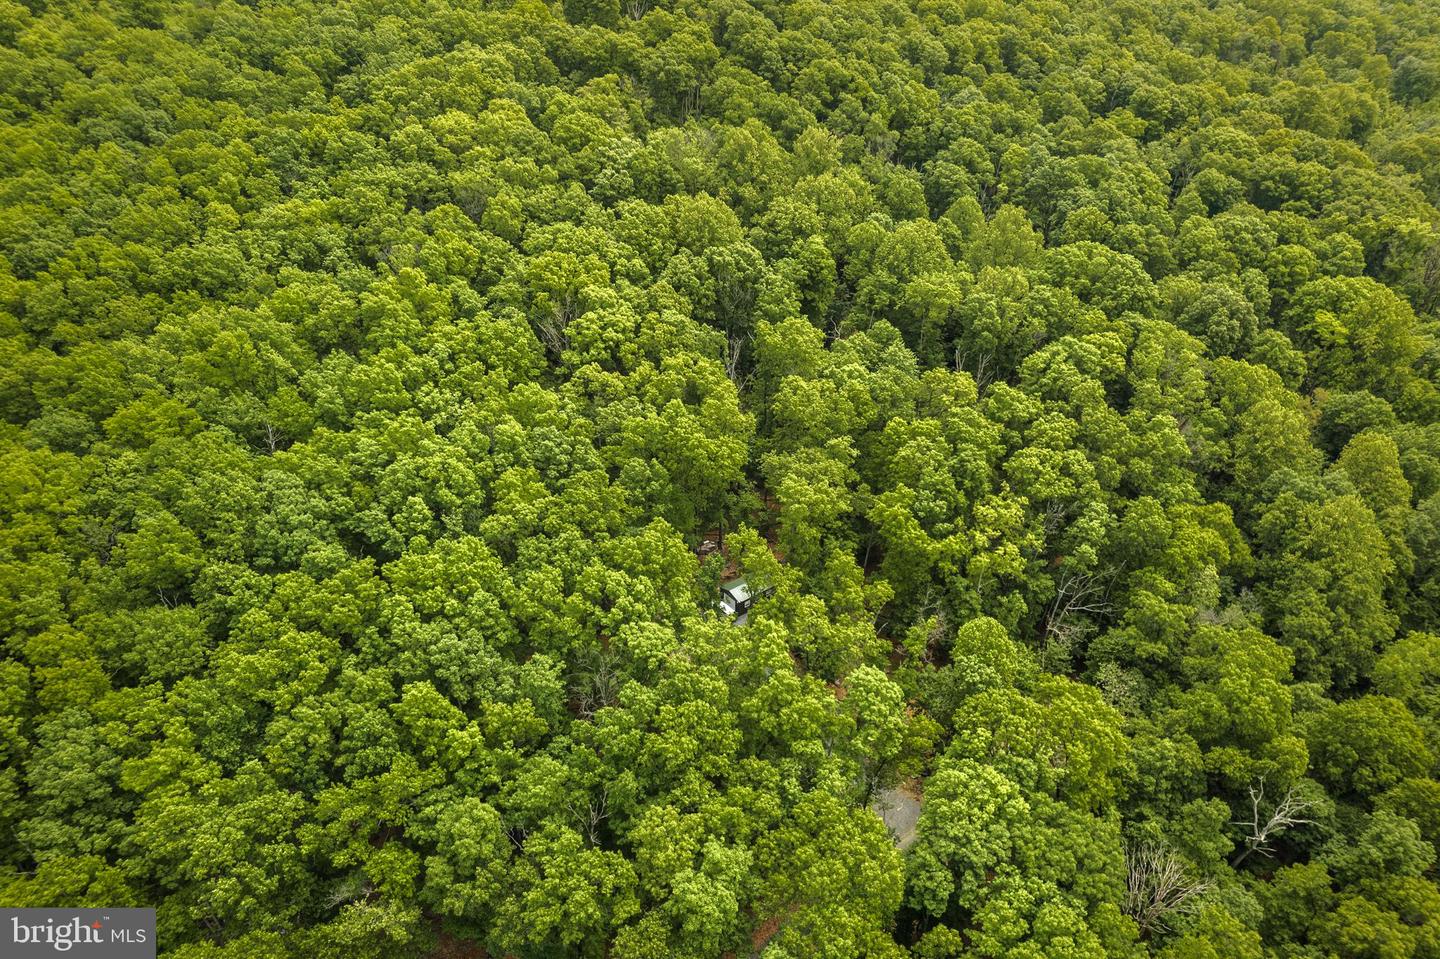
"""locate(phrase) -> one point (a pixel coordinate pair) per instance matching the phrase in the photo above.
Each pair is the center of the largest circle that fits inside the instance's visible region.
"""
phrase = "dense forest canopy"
(388, 385)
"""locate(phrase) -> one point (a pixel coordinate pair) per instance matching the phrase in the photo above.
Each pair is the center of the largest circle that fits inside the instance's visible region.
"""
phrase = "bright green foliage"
(1367, 745)
(386, 388)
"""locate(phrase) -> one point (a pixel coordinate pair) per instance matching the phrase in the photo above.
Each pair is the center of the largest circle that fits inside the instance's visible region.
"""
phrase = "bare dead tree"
(636, 8)
(1079, 593)
(1076, 594)
(352, 888)
(983, 374)
(552, 329)
(592, 813)
(732, 359)
(1158, 885)
(273, 438)
(982, 360)
(1055, 514)
(690, 100)
(596, 684)
(1290, 811)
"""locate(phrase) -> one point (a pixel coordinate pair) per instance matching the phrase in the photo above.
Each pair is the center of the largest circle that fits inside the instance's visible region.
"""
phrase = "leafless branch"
(1290, 811)
(350, 889)
(552, 329)
(592, 813)
(273, 438)
(597, 685)
(982, 360)
(1158, 885)
(1076, 594)
(732, 359)
(1055, 513)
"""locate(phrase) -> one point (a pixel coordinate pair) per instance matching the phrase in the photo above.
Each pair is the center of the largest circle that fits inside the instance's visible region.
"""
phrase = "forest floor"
(899, 808)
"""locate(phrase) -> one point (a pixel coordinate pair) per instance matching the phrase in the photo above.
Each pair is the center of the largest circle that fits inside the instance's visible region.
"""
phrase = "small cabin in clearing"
(737, 595)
